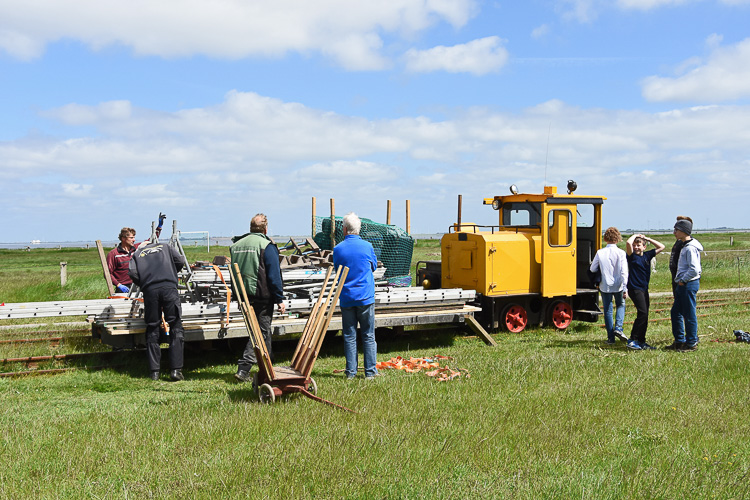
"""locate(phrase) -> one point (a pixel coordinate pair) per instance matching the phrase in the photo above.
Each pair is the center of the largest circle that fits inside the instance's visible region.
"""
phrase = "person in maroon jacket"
(118, 259)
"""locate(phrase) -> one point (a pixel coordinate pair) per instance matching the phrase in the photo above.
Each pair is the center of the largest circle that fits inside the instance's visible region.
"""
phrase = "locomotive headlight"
(513, 189)
(496, 204)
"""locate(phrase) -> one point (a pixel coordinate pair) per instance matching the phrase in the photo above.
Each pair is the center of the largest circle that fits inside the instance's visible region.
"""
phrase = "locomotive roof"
(550, 195)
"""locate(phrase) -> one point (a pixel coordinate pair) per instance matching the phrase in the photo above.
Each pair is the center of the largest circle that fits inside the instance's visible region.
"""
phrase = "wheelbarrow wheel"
(313, 387)
(266, 394)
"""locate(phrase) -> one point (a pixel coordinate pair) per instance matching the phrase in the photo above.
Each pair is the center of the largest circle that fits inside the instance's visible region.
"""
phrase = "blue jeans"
(684, 316)
(619, 313)
(365, 316)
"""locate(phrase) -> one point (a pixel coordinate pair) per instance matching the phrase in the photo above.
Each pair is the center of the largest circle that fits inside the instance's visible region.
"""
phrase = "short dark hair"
(642, 240)
(125, 232)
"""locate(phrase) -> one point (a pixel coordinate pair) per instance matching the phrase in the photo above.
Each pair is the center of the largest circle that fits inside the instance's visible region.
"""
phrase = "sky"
(212, 111)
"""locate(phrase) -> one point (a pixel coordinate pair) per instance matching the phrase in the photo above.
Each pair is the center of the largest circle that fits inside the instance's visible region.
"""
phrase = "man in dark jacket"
(674, 256)
(258, 259)
(154, 268)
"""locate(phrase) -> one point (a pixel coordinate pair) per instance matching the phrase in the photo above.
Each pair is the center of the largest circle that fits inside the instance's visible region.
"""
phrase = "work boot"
(176, 375)
(155, 375)
(242, 376)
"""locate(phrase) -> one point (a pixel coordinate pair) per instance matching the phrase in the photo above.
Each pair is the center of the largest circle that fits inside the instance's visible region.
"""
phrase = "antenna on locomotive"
(547, 154)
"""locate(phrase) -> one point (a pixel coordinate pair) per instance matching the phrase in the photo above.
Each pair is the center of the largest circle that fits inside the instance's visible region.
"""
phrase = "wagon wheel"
(514, 318)
(266, 394)
(560, 314)
(313, 387)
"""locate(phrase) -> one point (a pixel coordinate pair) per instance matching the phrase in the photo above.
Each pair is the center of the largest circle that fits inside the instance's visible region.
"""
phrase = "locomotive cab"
(532, 267)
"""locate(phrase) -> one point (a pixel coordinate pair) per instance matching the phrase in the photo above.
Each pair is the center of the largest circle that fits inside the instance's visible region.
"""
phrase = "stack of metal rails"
(208, 315)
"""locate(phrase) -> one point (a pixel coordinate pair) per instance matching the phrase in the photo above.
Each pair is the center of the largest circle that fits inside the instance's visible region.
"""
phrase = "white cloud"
(725, 75)
(649, 4)
(587, 11)
(252, 153)
(349, 31)
(479, 57)
(77, 190)
(583, 11)
(540, 31)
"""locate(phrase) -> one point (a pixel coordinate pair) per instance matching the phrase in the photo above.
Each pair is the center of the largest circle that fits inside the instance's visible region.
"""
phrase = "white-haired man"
(357, 300)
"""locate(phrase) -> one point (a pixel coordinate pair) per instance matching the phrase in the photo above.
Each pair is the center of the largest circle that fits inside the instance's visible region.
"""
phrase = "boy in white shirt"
(611, 262)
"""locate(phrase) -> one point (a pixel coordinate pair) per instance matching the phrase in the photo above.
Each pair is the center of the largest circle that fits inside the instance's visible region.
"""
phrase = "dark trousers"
(264, 313)
(642, 303)
(157, 300)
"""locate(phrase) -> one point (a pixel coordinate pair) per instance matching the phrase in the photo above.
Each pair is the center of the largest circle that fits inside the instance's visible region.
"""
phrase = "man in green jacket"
(258, 259)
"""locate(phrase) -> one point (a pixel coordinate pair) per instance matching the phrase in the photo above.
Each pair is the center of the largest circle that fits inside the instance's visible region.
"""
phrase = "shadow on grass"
(203, 363)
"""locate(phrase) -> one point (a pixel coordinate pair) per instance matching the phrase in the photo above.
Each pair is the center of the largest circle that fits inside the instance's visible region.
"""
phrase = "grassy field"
(546, 414)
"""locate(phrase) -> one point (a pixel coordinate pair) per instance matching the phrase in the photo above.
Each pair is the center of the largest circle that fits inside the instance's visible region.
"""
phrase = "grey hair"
(352, 224)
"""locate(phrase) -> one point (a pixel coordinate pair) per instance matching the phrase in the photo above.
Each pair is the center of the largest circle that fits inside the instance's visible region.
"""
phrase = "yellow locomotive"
(530, 268)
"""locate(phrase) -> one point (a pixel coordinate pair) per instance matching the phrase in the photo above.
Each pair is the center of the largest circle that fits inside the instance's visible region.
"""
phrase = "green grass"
(545, 414)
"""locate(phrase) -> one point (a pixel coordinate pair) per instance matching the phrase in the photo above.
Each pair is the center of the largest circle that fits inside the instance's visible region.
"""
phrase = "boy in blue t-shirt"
(639, 263)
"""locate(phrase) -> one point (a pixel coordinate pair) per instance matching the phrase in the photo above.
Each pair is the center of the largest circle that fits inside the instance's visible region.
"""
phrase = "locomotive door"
(558, 249)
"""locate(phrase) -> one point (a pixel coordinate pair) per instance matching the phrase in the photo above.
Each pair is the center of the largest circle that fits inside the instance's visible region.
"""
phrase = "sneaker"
(621, 336)
(688, 347)
(242, 376)
(176, 375)
(154, 375)
(373, 377)
(646, 346)
(675, 346)
(632, 344)
(610, 342)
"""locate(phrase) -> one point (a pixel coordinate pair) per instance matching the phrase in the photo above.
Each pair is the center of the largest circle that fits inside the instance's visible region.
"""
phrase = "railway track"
(54, 339)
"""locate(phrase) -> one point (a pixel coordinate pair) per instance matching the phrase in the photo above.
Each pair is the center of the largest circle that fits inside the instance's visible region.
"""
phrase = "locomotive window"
(522, 213)
(560, 228)
(585, 215)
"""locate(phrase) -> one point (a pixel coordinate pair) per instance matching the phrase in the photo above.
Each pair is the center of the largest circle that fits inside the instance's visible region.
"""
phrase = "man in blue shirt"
(357, 299)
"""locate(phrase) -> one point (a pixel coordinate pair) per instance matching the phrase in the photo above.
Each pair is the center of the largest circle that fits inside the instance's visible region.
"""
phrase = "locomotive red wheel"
(560, 315)
(514, 318)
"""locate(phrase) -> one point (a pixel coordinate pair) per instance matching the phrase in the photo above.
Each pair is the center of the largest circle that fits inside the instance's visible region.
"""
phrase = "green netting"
(393, 246)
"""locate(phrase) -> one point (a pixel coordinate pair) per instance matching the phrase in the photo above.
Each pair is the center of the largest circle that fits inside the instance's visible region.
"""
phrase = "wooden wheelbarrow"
(271, 382)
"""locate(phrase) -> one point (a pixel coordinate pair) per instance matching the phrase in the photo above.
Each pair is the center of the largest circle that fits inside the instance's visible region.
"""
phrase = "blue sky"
(213, 111)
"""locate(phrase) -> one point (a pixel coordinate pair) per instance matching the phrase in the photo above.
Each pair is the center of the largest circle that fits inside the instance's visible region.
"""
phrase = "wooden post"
(458, 218)
(333, 225)
(388, 213)
(731, 241)
(408, 218)
(312, 222)
(105, 268)
(63, 273)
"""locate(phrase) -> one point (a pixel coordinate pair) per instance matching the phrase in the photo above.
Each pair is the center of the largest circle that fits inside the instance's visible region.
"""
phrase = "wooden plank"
(105, 267)
(306, 352)
(312, 231)
(477, 328)
(306, 333)
(339, 285)
(264, 362)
